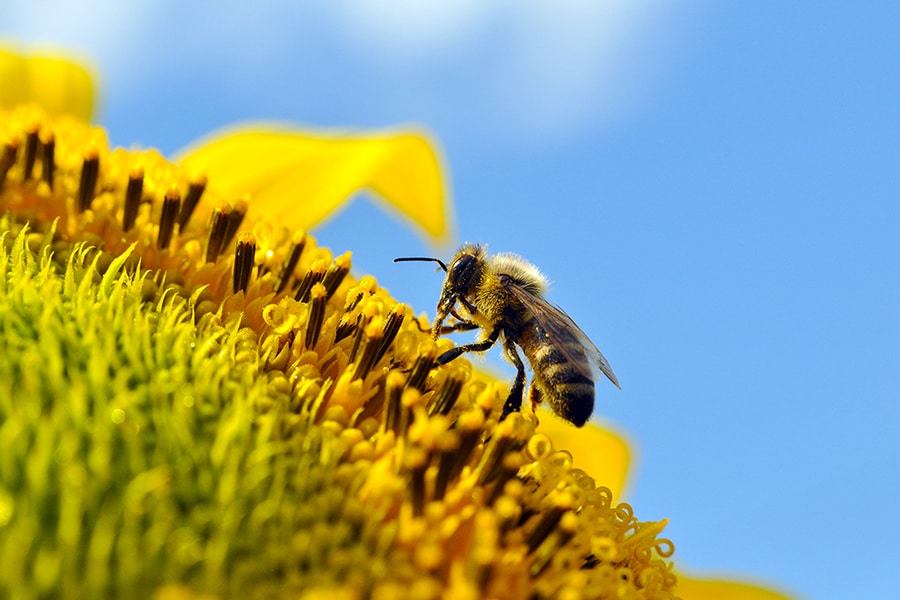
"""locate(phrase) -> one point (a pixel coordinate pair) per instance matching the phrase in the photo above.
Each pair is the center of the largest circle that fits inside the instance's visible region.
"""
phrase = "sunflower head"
(197, 401)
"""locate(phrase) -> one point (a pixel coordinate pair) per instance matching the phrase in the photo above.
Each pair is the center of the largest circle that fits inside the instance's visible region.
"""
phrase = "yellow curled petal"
(58, 84)
(601, 453)
(300, 177)
(722, 589)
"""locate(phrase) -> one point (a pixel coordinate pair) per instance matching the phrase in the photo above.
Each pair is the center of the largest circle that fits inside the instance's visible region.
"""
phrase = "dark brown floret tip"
(170, 209)
(8, 159)
(87, 187)
(48, 151)
(244, 256)
(191, 199)
(31, 152)
(133, 192)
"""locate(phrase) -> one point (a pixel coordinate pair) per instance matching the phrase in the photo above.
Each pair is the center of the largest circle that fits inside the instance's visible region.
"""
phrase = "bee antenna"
(422, 259)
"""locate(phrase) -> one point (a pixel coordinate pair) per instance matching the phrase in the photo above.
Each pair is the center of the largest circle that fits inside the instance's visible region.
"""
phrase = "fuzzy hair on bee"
(504, 296)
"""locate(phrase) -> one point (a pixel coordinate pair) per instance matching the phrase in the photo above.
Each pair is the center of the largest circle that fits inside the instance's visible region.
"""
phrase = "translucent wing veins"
(565, 335)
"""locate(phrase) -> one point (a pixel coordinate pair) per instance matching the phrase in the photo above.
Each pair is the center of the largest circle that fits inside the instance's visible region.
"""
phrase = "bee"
(503, 295)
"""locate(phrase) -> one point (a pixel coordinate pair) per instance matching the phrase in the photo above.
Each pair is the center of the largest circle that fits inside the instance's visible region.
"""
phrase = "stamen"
(374, 334)
(31, 146)
(170, 208)
(336, 273)
(391, 327)
(195, 190)
(644, 532)
(48, 166)
(235, 218)
(409, 400)
(133, 195)
(218, 227)
(562, 532)
(8, 159)
(447, 395)
(346, 326)
(318, 302)
(287, 269)
(87, 186)
(243, 261)
(546, 523)
(505, 441)
(315, 275)
(468, 428)
(357, 339)
(379, 333)
(393, 390)
(423, 365)
(416, 460)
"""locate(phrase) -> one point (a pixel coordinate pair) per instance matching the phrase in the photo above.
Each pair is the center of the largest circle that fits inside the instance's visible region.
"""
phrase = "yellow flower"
(195, 402)
(58, 84)
(194, 398)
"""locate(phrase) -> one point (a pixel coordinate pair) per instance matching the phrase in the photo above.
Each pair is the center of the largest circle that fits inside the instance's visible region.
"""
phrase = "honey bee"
(503, 295)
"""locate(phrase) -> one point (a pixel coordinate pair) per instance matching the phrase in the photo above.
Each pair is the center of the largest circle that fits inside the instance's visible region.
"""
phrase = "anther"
(48, 149)
(315, 275)
(447, 395)
(392, 394)
(469, 427)
(318, 302)
(503, 443)
(133, 195)
(336, 273)
(218, 227)
(546, 523)
(416, 460)
(244, 255)
(8, 158)
(562, 531)
(391, 327)
(290, 263)
(87, 186)
(171, 207)
(195, 190)
(346, 326)
(374, 334)
(450, 463)
(357, 339)
(422, 367)
(31, 147)
(235, 218)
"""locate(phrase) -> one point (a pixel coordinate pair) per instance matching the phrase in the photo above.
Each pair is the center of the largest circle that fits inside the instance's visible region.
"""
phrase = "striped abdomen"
(556, 380)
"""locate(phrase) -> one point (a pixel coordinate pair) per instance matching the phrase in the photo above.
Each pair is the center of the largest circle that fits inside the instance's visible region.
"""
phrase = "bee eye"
(461, 271)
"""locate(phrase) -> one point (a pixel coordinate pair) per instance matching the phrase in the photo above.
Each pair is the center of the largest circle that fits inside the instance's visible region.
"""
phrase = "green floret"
(141, 448)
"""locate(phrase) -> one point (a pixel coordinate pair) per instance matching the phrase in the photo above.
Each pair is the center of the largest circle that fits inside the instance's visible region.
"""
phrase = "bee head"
(463, 275)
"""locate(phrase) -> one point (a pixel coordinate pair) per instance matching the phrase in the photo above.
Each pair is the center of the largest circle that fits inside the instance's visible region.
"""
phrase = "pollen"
(199, 403)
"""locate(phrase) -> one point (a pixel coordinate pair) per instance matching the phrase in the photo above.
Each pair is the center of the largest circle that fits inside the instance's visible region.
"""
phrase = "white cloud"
(99, 29)
(580, 61)
(530, 67)
(409, 30)
(537, 65)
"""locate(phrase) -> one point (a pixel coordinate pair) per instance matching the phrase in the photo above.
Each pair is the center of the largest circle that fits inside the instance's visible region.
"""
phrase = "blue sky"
(712, 187)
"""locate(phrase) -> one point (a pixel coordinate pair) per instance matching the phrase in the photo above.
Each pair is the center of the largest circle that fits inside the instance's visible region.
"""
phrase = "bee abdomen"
(569, 393)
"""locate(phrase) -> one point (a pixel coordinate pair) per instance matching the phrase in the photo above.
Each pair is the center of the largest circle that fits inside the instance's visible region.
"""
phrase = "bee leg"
(460, 326)
(535, 396)
(514, 400)
(476, 347)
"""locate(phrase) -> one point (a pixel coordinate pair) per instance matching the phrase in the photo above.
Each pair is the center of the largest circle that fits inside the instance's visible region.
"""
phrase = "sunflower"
(199, 401)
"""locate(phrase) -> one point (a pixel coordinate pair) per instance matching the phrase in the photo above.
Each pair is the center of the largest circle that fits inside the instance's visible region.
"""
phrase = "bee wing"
(568, 337)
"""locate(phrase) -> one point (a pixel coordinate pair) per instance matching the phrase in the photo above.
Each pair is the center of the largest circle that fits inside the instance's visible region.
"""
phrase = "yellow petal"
(299, 177)
(721, 589)
(59, 85)
(599, 452)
